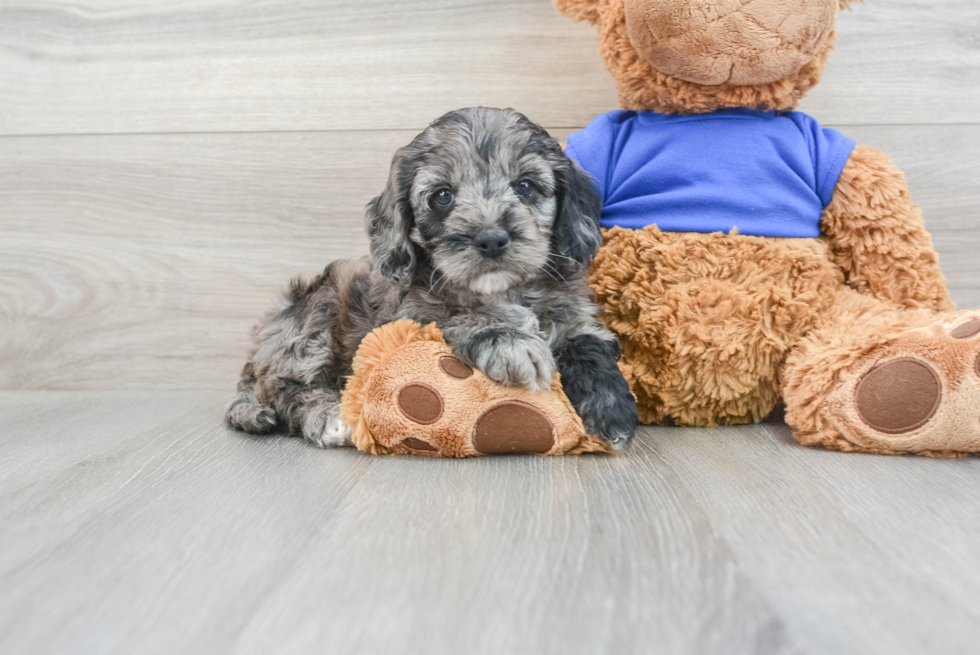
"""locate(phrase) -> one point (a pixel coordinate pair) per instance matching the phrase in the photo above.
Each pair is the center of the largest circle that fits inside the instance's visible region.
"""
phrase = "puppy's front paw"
(512, 358)
(611, 415)
(597, 389)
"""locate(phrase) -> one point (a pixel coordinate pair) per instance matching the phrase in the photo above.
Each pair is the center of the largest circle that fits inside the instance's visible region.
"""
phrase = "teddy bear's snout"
(724, 42)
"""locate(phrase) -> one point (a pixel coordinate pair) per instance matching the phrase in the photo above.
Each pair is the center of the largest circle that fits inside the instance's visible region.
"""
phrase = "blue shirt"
(763, 173)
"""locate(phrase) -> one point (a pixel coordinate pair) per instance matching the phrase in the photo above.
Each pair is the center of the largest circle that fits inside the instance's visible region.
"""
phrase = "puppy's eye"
(525, 188)
(443, 198)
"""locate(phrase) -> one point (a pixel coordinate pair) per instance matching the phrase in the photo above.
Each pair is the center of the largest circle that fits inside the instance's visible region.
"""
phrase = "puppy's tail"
(245, 412)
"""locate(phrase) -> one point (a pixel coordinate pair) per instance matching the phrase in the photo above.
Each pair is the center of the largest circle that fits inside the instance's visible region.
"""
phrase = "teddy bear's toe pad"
(899, 396)
(513, 427)
(420, 402)
(966, 330)
(418, 444)
(454, 368)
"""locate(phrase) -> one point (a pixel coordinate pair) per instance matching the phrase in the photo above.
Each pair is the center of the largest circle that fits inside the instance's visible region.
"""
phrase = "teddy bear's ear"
(582, 9)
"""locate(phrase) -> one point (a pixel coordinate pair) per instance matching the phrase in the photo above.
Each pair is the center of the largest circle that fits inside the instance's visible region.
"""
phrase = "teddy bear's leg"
(706, 322)
(877, 379)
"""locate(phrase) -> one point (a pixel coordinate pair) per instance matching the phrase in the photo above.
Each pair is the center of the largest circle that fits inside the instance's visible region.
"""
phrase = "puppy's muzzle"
(492, 243)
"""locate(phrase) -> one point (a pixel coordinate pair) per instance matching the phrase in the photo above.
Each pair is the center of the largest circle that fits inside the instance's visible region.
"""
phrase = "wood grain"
(160, 543)
(854, 532)
(36, 445)
(187, 537)
(141, 262)
(188, 241)
(108, 66)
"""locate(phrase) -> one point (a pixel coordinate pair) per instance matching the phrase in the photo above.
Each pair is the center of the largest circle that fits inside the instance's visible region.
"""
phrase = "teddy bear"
(753, 259)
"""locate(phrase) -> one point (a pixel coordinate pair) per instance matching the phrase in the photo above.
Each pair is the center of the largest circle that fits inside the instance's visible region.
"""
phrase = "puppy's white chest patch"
(496, 282)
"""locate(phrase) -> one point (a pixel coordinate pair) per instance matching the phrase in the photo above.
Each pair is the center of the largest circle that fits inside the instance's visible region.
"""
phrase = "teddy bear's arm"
(877, 235)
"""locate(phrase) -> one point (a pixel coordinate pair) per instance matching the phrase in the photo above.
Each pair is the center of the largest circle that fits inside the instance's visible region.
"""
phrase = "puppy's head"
(488, 199)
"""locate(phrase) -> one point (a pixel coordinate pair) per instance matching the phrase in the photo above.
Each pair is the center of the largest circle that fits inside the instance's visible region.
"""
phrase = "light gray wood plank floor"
(136, 522)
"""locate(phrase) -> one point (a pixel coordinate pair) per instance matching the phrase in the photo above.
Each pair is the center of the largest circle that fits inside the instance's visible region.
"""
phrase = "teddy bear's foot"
(410, 395)
(919, 392)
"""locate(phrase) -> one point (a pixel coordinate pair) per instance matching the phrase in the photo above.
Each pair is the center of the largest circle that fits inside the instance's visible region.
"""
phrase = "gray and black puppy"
(484, 227)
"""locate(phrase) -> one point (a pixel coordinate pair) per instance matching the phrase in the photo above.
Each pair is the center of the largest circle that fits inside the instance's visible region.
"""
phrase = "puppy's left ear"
(576, 235)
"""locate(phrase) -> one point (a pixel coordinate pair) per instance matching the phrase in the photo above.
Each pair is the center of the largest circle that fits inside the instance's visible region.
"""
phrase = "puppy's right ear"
(389, 221)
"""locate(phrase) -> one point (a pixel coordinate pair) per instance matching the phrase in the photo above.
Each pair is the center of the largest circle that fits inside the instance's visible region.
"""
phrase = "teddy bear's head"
(696, 56)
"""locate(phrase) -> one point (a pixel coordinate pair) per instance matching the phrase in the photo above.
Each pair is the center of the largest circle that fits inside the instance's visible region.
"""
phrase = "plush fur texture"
(878, 238)
(405, 353)
(858, 334)
(486, 229)
(718, 328)
(705, 323)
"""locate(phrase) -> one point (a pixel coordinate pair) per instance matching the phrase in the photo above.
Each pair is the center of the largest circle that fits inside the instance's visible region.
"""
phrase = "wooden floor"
(136, 522)
(166, 166)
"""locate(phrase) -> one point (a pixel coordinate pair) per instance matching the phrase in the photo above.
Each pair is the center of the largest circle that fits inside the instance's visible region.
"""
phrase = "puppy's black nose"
(492, 243)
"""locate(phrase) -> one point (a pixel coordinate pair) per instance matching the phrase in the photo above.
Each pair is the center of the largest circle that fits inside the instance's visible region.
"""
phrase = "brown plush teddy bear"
(752, 256)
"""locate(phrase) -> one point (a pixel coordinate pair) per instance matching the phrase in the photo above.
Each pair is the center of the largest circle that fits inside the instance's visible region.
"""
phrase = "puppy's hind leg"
(245, 412)
(314, 413)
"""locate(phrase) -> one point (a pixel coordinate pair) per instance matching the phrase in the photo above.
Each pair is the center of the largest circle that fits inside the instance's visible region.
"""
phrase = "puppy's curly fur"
(484, 227)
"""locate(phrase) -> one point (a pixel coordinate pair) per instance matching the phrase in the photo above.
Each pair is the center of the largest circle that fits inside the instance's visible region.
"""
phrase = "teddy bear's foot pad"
(966, 330)
(513, 427)
(920, 393)
(899, 396)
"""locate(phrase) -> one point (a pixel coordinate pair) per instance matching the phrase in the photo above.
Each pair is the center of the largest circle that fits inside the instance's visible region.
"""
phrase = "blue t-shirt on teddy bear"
(762, 173)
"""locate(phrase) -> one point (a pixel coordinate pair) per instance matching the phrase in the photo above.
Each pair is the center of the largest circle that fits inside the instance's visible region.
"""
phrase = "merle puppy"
(484, 227)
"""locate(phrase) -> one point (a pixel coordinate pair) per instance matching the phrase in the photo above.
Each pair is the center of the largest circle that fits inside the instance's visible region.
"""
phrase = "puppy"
(484, 227)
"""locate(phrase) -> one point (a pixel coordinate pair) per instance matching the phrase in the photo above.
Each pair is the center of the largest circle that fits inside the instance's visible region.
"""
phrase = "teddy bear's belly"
(706, 320)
